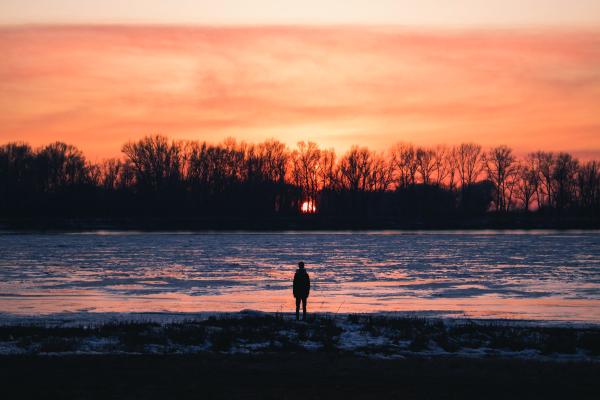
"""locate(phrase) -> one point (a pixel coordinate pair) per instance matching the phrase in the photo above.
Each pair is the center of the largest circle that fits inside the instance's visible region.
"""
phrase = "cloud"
(99, 86)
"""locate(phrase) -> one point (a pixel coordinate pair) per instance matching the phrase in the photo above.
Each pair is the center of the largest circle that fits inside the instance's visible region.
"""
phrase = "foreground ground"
(372, 336)
(256, 355)
(317, 375)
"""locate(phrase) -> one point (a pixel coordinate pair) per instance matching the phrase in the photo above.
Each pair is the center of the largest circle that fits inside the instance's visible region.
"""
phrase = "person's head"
(301, 265)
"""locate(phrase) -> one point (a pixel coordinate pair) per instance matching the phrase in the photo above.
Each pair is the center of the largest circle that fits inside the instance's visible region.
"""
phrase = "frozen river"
(539, 275)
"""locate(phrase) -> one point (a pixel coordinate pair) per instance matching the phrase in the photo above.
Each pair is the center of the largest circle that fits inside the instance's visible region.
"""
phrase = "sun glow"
(116, 83)
(308, 207)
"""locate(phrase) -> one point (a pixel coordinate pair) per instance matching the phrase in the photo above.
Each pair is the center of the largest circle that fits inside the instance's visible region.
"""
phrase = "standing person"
(301, 290)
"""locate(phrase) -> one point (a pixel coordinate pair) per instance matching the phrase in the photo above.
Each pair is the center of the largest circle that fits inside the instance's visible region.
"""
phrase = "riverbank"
(253, 333)
(255, 355)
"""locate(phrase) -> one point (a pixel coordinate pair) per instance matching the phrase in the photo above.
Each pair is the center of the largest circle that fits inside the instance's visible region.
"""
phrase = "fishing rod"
(339, 307)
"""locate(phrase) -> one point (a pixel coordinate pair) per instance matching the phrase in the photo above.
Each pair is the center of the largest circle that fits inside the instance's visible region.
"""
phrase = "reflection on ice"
(544, 275)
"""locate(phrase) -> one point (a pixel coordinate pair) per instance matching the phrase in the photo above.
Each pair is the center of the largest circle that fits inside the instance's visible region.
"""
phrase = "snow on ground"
(253, 332)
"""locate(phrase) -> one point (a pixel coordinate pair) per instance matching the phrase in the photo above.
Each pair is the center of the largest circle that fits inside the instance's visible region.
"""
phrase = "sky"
(97, 74)
(388, 12)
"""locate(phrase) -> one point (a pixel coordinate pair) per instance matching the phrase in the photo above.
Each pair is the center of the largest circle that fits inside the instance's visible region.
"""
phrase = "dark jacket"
(301, 284)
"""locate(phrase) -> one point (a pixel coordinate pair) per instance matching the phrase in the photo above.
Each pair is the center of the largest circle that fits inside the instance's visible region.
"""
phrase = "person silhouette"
(301, 290)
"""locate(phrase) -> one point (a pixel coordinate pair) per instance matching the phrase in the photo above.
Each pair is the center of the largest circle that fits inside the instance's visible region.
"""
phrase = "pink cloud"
(98, 87)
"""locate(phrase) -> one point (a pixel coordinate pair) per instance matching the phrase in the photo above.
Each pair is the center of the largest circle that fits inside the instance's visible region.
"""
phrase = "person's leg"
(304, 309)
(297, 308)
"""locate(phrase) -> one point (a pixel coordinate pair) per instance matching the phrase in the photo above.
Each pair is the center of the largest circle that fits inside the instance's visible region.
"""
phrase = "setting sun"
(308, 207)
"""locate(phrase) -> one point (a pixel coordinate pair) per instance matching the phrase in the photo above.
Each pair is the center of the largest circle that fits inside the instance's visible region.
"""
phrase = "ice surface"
(542, 275)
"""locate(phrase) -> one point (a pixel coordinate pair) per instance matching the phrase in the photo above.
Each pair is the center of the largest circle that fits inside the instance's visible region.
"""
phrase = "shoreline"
(116, 230)
(82, 318)
(300, 223)
(254, 333)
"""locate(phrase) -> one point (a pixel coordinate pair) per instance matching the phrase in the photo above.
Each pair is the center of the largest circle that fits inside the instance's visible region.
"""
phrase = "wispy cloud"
(100, 86)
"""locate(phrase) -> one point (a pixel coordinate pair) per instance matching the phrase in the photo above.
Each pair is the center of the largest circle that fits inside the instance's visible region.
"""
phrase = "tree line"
(158, 177)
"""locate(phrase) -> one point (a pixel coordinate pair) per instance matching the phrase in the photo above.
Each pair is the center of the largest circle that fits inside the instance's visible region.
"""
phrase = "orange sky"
(99, 86)
(461, 13)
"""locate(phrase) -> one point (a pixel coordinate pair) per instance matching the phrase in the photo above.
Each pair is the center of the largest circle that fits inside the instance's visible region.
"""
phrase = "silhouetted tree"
(328, 173)
(382, 173)
(563, 180)
(469, 163)
(588, 182)
(469, 160)
(502, 171)
(544, 167)
(425, 159)
(60, 166)
(305, 169)
(17, 177)
(443, 166)
(404, 161)
(161, 178)
(158, 164)
(356, 168)
(528, 182)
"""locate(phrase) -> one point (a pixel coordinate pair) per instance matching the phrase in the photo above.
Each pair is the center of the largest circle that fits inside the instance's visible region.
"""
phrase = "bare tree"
(441, 165)
(425, 159)
(501, 168)
(158, 163)
(63, 164)
(257, 179)
(563, 180)
(304, 170)
(356, 168)
(328, 172)
(404, 162)
(197, 168)
(16, 170)
(511, 187)
(126, 175)
(252, 164)
(528, 181)
(110, 170)
(544, 166)
(451, 161)
(469, 162)
(588, 181)
(382, 173)
(275, 156)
